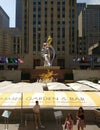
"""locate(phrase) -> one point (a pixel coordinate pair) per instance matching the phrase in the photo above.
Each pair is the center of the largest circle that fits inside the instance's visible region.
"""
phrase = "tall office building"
(10, 42)
(91, 27)
(88, 28)
(80, 8)
(88, 35)
(81, 41)
(19, 14)
(4, 18)
(55, 18)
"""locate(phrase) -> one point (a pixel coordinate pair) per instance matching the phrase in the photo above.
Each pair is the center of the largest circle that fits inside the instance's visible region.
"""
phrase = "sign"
(58, 114)
(50, 99)
(6, 114)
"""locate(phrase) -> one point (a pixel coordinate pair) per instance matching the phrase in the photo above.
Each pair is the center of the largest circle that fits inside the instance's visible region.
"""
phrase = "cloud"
(94, 1)
(89, 1)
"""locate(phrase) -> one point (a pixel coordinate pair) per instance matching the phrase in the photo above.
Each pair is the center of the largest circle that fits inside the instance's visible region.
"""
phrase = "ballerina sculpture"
(48, 52)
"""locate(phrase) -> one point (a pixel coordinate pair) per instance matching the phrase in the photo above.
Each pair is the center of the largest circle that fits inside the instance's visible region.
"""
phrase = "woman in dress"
(80, 119)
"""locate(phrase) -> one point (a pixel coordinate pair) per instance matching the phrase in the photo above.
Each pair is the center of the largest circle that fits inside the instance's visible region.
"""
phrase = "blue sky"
(9, 7)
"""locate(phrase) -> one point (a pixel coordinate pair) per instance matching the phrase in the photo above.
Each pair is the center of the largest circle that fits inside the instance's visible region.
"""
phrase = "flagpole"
(21, 108)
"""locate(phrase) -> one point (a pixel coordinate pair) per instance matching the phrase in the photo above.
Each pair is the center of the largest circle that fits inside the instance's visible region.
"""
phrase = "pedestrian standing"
(36, 110)
(80, 119)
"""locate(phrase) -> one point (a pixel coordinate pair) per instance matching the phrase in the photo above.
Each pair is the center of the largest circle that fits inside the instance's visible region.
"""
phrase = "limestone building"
(10, 46)
(43, 18)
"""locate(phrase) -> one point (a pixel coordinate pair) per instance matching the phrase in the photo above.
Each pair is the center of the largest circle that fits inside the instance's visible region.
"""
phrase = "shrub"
(68, 76)
(94, 80)
(25, 76)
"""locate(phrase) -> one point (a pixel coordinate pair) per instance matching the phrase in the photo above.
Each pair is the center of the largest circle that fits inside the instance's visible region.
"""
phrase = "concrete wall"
(13, 75)
(86, 74)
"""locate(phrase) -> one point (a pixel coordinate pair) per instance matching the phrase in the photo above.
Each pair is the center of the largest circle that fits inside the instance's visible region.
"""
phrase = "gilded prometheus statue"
(47, 76)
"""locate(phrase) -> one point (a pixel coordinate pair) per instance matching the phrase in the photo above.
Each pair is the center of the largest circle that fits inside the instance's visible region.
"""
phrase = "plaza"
(20, 100)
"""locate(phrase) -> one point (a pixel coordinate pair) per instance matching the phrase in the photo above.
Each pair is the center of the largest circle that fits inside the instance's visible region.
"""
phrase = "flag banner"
(12, 60)
(50, 99)
(20, 60)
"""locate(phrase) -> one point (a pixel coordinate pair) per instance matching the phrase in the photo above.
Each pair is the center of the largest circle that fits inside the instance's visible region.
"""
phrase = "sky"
(9, 8)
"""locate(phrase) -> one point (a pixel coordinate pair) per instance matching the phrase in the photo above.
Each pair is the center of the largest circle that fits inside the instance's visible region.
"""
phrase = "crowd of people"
(69, 122)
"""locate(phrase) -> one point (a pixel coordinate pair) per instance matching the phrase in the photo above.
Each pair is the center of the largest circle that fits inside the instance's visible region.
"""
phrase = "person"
(80, 118)
(68, 122)
(36, 110)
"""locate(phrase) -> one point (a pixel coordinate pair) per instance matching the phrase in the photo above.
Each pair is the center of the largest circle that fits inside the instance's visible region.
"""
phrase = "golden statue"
(47, 76)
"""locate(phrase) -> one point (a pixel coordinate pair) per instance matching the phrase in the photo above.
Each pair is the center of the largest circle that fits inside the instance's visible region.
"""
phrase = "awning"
(91, 84)
(55, 86)
(81, 87)
(50, 99)
(7, 87)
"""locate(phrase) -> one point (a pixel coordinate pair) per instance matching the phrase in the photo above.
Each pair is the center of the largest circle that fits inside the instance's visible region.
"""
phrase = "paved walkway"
(48, 126)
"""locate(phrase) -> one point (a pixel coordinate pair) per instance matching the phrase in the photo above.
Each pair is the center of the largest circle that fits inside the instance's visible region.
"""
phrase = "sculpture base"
(47, 67)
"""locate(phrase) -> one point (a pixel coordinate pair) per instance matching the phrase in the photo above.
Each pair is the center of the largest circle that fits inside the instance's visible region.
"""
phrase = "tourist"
(36, 110)
(80, 119)
(68, 122)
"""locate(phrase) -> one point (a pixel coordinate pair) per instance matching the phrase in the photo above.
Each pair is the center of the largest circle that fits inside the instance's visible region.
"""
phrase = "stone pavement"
(48, 126)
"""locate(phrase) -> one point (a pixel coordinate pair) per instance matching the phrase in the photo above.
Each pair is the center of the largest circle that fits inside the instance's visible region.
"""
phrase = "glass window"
(34, 48)
(63, 48)
(58, 48)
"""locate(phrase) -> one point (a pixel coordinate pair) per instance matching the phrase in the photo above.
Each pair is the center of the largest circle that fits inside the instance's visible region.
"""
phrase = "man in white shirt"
(36, 110)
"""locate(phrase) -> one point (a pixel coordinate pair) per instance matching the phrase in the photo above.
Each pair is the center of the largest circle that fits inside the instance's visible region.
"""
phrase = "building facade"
(5, 42)
(91, 25)
(88, 17)
(55, 18)
(10, 42)
(19, 14)
(81, 41)
(4, 18)
(10, 48)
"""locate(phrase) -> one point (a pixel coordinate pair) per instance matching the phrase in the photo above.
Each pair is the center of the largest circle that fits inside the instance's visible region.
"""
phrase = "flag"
(20, 60)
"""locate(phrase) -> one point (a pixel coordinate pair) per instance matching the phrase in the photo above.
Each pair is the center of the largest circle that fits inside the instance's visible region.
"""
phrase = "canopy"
(81, 87)
(57, 86)
(50, 99)
(91, 84)
(7, 87)
(23, 95)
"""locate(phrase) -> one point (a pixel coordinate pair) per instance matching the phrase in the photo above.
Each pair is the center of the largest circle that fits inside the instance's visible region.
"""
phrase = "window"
(63, 48)
(58, 48)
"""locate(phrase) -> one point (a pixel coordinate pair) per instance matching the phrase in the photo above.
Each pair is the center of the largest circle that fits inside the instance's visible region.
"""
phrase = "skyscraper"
(19, 14)
(55, 18)
(89, 34)
(4, 18)
(88, 26)
(91, 24)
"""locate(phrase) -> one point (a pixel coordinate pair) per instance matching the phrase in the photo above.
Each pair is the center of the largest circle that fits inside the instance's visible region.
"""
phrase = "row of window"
(58, 9)
(52, 2)
(39, 48)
